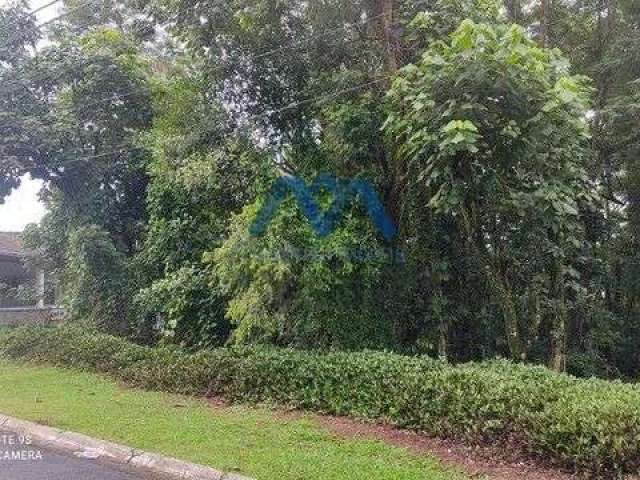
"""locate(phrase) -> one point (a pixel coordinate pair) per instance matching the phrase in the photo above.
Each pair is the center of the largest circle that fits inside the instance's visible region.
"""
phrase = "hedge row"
(590, 425)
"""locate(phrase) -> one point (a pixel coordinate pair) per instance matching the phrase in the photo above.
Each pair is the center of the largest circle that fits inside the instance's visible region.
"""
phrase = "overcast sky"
(22, 206)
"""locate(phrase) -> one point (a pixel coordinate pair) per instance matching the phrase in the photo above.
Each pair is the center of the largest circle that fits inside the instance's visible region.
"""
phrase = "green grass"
(253, 441)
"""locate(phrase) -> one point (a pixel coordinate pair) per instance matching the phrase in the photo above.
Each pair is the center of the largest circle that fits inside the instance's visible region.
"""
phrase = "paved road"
(20, 461)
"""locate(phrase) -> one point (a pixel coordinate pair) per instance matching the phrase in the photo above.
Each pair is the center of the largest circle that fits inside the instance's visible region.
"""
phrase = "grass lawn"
(250, 440)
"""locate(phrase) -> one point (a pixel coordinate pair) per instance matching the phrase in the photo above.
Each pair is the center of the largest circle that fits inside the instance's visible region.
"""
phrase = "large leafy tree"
(601, 38)
(496, 130)
(290, 287)
(69, 118)
(69, 115)
(156, 152)
(280, 63)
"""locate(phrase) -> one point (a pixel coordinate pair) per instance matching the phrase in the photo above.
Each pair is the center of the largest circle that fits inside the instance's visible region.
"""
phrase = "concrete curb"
(120, 454)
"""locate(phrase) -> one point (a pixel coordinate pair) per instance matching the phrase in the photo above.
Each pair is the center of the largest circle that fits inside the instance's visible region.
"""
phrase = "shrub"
(97, 283)
(192, 315)
(591, 425)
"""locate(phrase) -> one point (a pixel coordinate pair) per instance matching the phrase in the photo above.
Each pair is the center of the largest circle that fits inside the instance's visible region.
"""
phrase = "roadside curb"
(120, 454)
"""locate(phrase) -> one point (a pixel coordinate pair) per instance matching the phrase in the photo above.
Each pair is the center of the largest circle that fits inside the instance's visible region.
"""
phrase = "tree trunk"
(558, 353)
(505, 299)
(443, 324)
(514, 11)
(498, 286)
(391, 42)
(443, 339)
(534, 317)
(558, 357)
(545, 22)
(391, 170)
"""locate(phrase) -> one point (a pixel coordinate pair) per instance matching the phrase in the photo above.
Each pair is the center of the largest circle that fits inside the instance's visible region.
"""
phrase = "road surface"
(20, 460)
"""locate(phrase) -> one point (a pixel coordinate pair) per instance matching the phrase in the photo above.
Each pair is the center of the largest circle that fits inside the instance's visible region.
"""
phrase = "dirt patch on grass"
(496, 463)
(218, 402)
(476, 461)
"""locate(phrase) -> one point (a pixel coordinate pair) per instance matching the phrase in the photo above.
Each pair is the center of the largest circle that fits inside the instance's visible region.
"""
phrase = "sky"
(22, 207)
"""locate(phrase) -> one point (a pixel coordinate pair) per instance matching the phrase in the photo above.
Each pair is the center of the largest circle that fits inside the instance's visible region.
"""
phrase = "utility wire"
(268, 53)
(261, 55)
(128, 93)
(43, 7)
(32, 13)
(272, 52)
(47, 22)
(324, 97)
(64, 14)
(319, 98)
(40, 25)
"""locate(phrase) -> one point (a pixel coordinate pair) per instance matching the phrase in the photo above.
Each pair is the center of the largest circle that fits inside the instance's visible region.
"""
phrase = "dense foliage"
(589, 425)
(502, 139)
(496, 127)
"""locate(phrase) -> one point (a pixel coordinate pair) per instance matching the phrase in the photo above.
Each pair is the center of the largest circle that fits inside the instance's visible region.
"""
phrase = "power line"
(316, 37)
(115, 96)
(47, 22)
(130, 93)
(110, 98)
(320, 98)
(119, 149)
(64, 14)
(275, 51)
(325, 97)
(32, 13)
(43, 7)
(292, 105)
(40, 25)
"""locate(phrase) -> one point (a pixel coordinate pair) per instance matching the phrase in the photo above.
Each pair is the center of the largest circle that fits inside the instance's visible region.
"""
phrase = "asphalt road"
(20, 460)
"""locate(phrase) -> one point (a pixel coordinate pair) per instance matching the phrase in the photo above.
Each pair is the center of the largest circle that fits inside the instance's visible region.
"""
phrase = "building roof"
(10, 244)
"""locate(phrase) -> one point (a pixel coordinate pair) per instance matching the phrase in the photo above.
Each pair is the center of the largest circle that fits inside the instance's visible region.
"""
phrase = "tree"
(496, 127)
(200, 174)
(517, 231)
(290, 287)
(73, 126)
(601, 39)
(310, 79)
(69, 114)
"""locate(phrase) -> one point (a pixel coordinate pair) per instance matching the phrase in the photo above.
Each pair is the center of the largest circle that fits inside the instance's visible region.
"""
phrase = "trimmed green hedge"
(591, 425)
